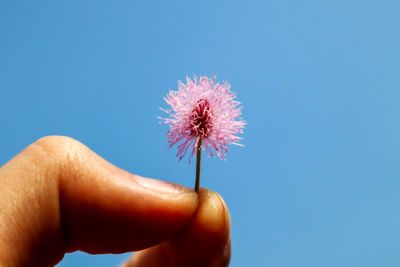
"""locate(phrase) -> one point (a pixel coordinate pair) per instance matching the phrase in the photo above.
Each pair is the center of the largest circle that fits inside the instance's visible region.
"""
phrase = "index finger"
(205, 242)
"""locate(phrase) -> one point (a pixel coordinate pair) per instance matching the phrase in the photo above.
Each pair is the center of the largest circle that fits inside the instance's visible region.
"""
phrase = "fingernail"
(227, 217)
(162, 186)
(227, 251)
(223, 258)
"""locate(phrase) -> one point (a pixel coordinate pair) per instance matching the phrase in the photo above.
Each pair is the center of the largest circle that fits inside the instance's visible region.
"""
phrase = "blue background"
(317, 183)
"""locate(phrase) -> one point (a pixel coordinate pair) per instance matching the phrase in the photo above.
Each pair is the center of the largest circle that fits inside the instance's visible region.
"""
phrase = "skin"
(58, 196)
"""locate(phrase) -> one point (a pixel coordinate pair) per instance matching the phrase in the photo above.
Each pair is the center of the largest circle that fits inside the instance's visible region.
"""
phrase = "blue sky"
(317, 183)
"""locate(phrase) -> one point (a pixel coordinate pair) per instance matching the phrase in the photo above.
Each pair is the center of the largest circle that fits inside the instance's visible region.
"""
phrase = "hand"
(58, 196)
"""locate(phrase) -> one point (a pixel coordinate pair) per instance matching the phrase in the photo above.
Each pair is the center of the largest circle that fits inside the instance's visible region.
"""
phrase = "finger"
(204, 242)
(66, 198)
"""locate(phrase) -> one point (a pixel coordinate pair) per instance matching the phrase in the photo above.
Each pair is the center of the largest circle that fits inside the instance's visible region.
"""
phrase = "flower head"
(203, 109)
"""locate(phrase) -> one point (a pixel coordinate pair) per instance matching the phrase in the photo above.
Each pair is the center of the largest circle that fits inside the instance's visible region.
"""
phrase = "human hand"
(58, 196)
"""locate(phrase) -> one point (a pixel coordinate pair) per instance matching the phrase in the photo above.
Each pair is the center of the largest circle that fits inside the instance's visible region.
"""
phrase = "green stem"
(198, 160)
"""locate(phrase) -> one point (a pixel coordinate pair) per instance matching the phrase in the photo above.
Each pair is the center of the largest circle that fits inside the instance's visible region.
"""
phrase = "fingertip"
(206, 239)
(212, 218)
(204, 242)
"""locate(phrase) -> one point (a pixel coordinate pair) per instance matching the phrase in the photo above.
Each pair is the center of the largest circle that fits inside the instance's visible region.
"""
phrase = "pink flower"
(203, 109)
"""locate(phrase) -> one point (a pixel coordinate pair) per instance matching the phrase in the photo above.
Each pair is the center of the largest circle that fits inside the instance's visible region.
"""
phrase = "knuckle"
(60, 151)
(54, 143)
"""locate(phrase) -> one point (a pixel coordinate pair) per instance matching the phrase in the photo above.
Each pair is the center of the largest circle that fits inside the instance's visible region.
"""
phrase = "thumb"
(58, 196)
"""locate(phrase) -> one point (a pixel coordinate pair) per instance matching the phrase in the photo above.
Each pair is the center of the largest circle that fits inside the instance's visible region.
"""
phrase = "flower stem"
(198, 160)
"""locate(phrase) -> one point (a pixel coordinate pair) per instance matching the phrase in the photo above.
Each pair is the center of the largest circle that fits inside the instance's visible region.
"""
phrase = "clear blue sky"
(317, 183)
